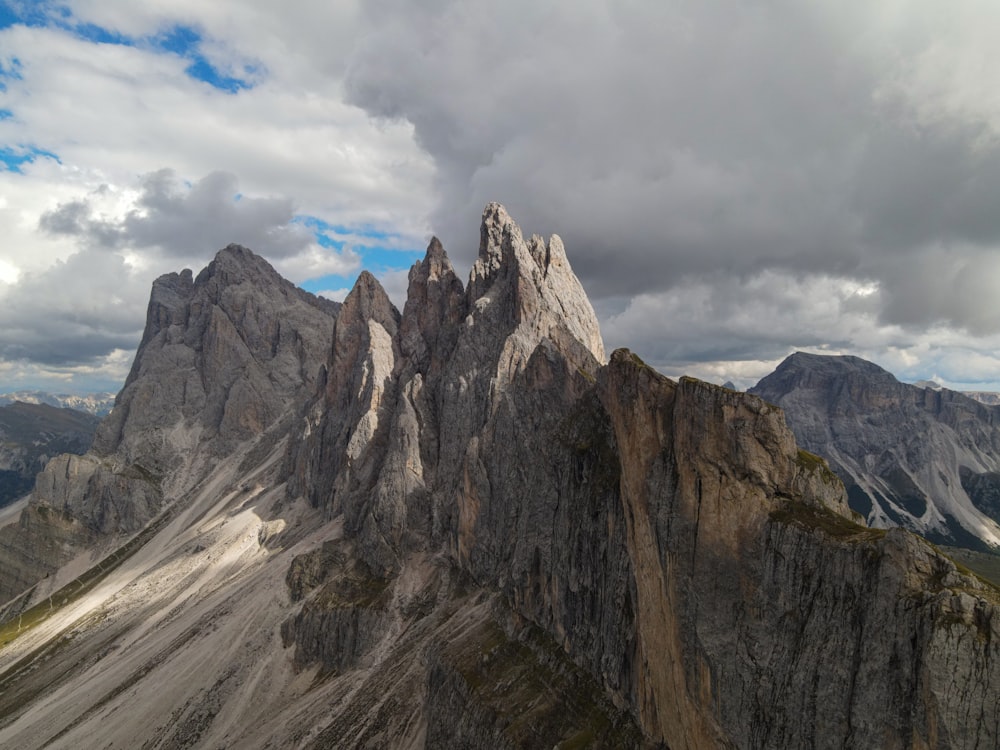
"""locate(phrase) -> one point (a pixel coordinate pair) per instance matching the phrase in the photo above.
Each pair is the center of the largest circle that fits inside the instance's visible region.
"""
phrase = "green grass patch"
(832, 524)
(813, 463)
(982, 565)
(72, 591)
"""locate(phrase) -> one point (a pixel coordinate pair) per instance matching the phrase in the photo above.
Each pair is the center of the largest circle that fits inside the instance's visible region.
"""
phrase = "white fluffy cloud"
(732, 182)
(130, 165)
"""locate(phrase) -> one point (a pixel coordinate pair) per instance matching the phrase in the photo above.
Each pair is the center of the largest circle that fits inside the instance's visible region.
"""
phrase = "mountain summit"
(461, 525)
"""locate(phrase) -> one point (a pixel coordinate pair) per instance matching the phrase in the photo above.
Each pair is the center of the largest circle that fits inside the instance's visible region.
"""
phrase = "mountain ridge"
(466, 527)
(31, 434)
(911, 456)
(98, 404)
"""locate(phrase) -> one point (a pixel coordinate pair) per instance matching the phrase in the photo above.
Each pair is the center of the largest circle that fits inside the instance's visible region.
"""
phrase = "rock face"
(31, 434)
(223, 359)
(926, 459)
(482, 534)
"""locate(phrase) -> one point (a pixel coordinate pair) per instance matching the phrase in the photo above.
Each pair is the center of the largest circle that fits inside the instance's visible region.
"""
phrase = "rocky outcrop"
(222, 357)
(921, 458)
(31, 434)
(225, 358)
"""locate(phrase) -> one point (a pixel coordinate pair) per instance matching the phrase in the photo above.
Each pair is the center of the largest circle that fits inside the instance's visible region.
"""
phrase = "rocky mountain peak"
(830, 366)
(910, 456)
(529, 288)
(480, 536)
(234, 264)
(166, 300)
(223, 351)
(368, 323)
(368, 301)
(435, 304)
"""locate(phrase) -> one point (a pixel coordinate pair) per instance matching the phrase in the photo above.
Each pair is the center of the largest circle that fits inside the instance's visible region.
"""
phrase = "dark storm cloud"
(667, 142)
(186, 221)
(77, 311)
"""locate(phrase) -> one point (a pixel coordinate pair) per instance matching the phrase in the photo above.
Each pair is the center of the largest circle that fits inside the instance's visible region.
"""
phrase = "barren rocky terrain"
(463, 525)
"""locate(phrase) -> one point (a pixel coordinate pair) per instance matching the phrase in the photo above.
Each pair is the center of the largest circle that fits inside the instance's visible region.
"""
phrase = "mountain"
(462, 525)
(986, 397)
(30, 434)
(224, 357)
(98, 404)
(927, 459)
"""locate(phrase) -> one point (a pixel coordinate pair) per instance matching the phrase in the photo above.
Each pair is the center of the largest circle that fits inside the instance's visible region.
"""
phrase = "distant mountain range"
(99, 404)
(989, 398)
(918, 456)
(984, 397)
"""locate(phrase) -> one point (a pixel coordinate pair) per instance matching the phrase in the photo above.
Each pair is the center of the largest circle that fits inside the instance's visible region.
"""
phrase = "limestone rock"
(658, 531)
(30, 435)
(224, 358)
(483, 535)
(918, 457)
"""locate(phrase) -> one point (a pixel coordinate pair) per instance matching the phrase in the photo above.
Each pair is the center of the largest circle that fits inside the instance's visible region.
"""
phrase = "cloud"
(730, 181)
(77, 311)
(701, 141)
(122, 110)
(185, 221)
(72, 316)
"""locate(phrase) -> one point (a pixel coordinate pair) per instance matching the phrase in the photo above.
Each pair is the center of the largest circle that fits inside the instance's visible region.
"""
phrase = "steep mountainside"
(476, 532)
(31, 434)
(224, 357)
(922, 458)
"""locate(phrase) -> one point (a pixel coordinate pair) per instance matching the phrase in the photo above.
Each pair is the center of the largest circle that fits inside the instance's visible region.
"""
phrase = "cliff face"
(481, 534)
(222, 357)
(925, 459)
(670, 537)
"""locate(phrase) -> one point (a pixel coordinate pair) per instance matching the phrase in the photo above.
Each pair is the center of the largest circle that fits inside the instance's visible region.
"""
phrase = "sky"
(733, 181)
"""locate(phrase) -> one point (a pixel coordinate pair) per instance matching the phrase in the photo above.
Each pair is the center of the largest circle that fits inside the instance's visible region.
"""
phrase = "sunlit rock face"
(462, 525)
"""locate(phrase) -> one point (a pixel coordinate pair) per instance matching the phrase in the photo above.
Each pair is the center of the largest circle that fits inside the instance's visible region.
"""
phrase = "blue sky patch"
(7, 16)
(92, 33)
(5, 114)
(201, 70)
(324, 230)
(14, 158)
(10, 70)
(328, 283)
(30, 13)
(183, 41)
(380, 251)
